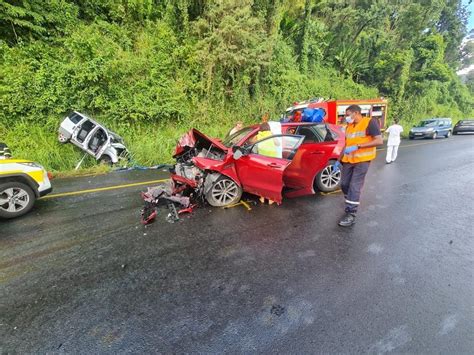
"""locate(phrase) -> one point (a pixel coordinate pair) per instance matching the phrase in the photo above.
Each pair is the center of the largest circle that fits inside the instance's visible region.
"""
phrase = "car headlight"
(32, 165)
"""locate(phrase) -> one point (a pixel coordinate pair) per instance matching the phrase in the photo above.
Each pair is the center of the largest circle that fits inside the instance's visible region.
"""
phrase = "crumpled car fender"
(220, 167)
(210, 180)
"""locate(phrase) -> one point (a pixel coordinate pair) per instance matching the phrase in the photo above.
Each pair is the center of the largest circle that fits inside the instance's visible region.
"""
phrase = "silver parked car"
(93, 138)
(432, 128)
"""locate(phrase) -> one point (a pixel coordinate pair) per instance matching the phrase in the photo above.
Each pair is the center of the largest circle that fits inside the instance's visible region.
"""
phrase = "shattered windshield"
(237, 137)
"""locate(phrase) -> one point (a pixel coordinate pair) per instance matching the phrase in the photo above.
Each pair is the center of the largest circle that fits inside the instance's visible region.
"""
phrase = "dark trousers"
(352, 180)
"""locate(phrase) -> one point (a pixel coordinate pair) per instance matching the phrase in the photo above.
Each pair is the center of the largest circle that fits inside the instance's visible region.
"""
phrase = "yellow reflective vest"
(356, 134)
(268, 147)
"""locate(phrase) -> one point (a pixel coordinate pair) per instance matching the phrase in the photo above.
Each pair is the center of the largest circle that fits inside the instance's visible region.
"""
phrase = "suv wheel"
(106, 160)
(16, 199)
(224, 192)
(327, 180)
(62, 138)
(435, 135)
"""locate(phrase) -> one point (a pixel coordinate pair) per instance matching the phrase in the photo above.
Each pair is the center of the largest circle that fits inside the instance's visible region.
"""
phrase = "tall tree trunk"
(303, 42)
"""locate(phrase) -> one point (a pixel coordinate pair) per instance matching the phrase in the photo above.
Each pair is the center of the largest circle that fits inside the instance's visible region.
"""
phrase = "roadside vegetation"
(150, 69)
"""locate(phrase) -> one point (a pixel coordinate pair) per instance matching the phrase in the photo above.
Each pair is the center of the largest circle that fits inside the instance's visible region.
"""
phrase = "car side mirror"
(237, 154)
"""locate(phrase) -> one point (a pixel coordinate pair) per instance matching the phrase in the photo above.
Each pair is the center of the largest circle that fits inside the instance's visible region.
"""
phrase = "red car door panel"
(263, 175)
(310, 159)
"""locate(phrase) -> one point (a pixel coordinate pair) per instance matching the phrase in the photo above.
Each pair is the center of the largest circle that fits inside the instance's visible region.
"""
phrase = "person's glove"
(350, 149)
(336, 167)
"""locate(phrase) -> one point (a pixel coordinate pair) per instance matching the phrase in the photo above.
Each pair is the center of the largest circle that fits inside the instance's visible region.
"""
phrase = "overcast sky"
(470, 24)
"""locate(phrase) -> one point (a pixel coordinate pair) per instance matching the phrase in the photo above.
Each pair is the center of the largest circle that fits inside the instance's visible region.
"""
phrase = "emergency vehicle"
(22, 182)
(334, 111)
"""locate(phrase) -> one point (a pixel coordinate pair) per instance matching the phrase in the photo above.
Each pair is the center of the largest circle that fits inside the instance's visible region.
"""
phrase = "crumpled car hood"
(190, 139)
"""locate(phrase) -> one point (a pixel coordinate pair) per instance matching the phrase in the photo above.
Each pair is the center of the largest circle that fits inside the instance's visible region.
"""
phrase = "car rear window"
(310, 136)
(74, 117)
(325, 133)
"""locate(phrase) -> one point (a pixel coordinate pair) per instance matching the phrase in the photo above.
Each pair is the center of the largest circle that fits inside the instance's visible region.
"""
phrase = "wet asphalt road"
(80, 274)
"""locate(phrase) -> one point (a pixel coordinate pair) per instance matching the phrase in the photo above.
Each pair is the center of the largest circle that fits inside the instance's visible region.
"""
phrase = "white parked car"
(93, 138)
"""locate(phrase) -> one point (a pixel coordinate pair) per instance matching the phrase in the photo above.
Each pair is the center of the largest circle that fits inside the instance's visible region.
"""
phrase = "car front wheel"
(16, 199)
(327, 180)
(224, 192)
(435, 135)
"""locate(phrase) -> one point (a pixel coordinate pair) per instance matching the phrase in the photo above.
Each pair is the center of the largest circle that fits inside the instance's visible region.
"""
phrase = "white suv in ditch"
(92, 137)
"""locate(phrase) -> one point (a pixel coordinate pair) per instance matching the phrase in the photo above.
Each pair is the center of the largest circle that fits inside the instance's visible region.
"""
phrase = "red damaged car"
(298, 163)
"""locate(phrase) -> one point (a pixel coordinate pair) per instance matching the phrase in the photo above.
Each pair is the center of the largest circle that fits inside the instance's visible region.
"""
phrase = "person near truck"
(393, 141)
(4, 151)
(362, 136)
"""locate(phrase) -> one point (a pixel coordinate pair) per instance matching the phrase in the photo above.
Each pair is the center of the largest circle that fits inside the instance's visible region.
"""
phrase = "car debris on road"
(157, 196)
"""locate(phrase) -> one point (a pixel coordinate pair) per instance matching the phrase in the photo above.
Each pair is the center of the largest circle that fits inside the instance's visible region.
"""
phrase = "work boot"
(348, 220)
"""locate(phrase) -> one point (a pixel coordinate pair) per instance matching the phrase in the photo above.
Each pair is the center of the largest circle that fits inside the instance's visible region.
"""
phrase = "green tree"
(231, 46)
(32, 19)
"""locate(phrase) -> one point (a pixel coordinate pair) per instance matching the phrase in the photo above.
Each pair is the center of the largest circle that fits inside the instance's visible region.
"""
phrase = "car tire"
(455, 133)
(25, 199)
(106, 160)
(326, 180)
(435, 135)
(448, 134)
(224, 192)
(62, 139)
(411, 138)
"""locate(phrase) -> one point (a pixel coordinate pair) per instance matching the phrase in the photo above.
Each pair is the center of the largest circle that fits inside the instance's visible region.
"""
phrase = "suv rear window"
(74, 117)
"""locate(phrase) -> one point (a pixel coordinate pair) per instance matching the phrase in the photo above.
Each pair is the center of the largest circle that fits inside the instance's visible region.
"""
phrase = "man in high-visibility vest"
(362, 136)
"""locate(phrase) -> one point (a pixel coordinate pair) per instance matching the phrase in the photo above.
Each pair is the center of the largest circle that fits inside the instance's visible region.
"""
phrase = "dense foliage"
(153, 68)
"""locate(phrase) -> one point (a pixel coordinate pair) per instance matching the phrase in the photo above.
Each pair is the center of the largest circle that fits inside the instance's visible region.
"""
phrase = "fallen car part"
(163, 194)
(190, 209)
(148, 213)
(173, 215)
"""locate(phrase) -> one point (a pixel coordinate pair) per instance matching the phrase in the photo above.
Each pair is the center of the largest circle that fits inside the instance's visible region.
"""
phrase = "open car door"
(260, 169)
(103, 142)
(82, 132)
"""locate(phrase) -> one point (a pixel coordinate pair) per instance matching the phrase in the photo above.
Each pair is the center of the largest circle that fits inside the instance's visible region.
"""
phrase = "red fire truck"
(334, 110)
